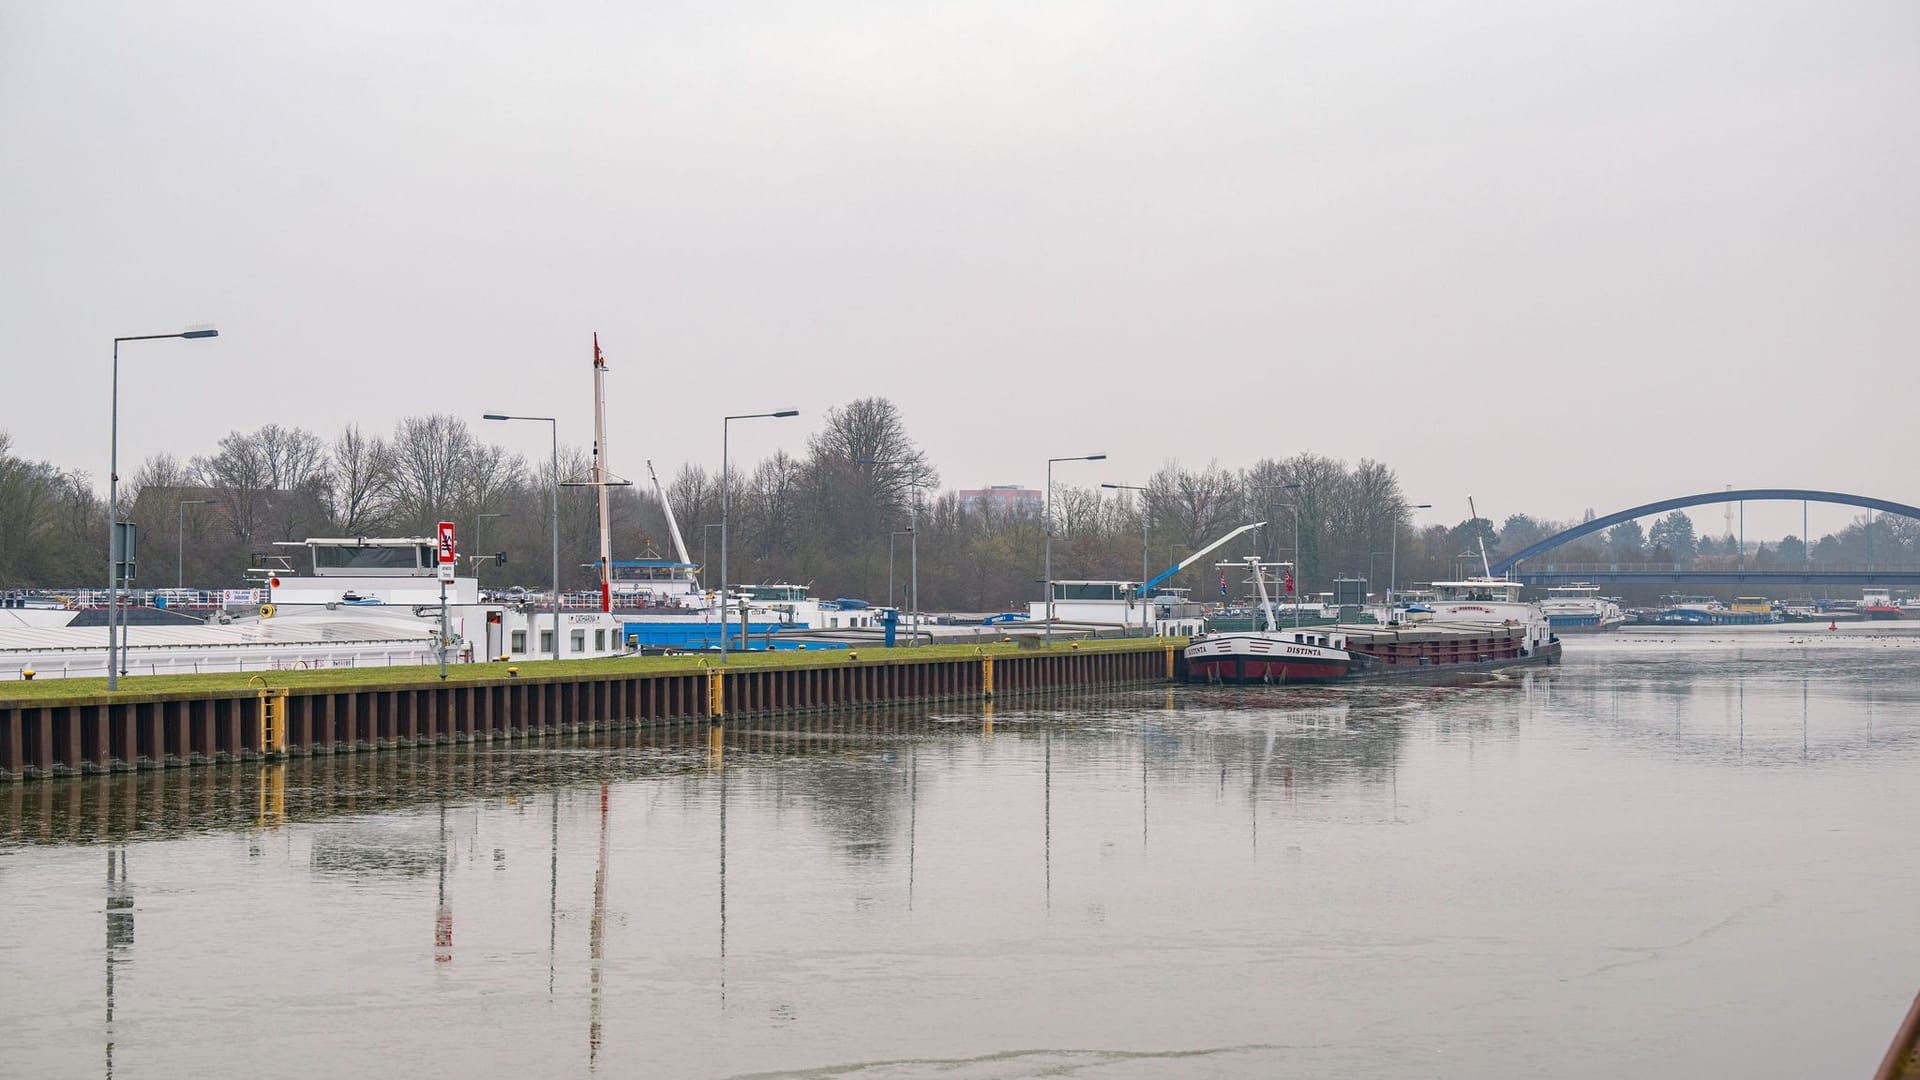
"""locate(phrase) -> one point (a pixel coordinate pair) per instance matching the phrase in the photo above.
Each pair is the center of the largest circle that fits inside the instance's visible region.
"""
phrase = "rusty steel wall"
(44, 739)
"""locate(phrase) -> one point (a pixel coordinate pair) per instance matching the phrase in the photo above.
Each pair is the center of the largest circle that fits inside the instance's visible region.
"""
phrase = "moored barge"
(1479, 625)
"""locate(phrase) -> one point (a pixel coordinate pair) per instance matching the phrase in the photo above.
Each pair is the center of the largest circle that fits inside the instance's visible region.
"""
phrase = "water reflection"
(119, 910)
(754, 896)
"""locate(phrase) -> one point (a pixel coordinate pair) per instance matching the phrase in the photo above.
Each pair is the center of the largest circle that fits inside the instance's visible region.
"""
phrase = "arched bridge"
(1861, 575)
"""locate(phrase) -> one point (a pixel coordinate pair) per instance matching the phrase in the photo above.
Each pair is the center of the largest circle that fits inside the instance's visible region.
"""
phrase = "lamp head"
(783, 413)
(1095, 457)
(492, 416)
(201, 333)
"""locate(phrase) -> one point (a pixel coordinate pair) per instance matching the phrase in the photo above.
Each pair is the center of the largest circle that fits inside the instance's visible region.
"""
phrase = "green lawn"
(81, 691)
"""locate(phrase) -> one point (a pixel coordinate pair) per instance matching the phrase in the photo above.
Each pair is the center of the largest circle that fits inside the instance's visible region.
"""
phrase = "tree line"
(843, 515)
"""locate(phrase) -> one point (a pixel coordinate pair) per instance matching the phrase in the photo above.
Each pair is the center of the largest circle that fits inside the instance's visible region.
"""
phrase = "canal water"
(1686, 855)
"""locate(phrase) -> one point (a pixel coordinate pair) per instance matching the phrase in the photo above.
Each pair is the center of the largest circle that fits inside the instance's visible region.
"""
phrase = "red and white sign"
(447, 551)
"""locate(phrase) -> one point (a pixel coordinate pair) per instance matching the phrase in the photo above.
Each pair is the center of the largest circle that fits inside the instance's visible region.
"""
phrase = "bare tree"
(430, 456)
(362, 492)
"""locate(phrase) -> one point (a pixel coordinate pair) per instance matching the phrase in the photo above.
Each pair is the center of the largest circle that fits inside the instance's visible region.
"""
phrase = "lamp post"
(726, 503)
(1393, 559)
(1049, 525)
(916, 484)
(1298, 588)
(480, 553)
(706, 532)
(114, 555)
(890, 539)
(554, 480)
(1143, 545)
(180, 557)
(1372, 561)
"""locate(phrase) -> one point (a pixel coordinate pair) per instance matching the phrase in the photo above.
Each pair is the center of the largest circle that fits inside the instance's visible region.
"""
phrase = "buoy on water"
(1834, 625)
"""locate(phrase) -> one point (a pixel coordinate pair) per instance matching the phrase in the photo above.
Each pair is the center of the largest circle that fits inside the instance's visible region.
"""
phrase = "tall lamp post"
(554, 480)
(726, 505)
(890, 539)
(916, 484)
(1297, 586)
(180, 557)
(706, 532)
(1393, 559)
(1049, 525)
(114, 555)
(1143, 545)
(479, 552)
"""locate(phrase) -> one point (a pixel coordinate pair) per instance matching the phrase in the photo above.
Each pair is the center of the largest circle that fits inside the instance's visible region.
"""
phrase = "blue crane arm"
(1189, 560)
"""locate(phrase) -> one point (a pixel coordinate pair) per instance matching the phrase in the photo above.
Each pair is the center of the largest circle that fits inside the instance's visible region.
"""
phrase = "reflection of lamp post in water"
(717, 740)
(553, 892)
(443, 915)
(119, 929)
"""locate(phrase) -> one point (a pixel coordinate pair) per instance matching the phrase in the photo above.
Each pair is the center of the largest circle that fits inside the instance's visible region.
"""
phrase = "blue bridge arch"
(1588, 528)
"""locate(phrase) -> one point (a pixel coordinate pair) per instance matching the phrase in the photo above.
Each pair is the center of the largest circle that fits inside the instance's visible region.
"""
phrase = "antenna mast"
(600, 472)
(1480, 535)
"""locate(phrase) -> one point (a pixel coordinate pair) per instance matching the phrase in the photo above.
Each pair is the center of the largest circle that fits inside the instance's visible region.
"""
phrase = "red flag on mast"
(598, 360)
(1288, 582)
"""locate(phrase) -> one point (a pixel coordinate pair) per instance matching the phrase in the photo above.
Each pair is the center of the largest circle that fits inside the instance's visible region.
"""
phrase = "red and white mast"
(600, 472)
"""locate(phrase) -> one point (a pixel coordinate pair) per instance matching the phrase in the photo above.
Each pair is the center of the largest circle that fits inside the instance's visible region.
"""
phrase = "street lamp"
(1049, 525)
(554, 480)
(706, 531)
(726, 504)
(480, 551)
(1297, 585)
(114, 554)
(1143, 545)
(1393, 559)
(180, 558)
(890, 539)
(917, 484)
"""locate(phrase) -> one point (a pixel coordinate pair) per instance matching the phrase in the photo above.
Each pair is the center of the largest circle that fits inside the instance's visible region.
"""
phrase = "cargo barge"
(1477, 625)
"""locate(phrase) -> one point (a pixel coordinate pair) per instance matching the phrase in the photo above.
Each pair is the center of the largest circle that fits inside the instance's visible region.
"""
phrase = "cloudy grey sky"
(1559, 255)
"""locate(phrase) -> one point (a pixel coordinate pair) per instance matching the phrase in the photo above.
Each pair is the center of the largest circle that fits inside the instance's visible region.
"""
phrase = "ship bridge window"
(1087, 590)
(383, 557)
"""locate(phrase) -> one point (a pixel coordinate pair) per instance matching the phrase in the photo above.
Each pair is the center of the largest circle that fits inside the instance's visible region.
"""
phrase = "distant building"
(1003, 499)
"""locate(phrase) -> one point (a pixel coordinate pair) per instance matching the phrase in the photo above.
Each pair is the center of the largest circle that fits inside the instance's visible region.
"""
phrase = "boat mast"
(673, 527)
(1480, 535)
(600, 472)
(1260, 582)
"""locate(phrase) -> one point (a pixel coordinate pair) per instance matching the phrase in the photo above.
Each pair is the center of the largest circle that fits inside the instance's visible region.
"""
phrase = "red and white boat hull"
(1257, 657)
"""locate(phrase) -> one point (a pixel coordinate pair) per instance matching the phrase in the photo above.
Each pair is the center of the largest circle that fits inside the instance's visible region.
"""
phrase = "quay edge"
(62, 735)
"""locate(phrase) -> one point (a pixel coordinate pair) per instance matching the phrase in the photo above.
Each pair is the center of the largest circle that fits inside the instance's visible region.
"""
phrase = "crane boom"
(673, 527)
(1189, 560)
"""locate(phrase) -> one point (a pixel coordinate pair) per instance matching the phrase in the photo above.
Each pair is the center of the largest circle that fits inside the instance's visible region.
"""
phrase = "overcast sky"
(1558, 255)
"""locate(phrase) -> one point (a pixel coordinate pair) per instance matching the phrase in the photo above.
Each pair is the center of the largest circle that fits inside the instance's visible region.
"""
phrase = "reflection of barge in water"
(1478, 625)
